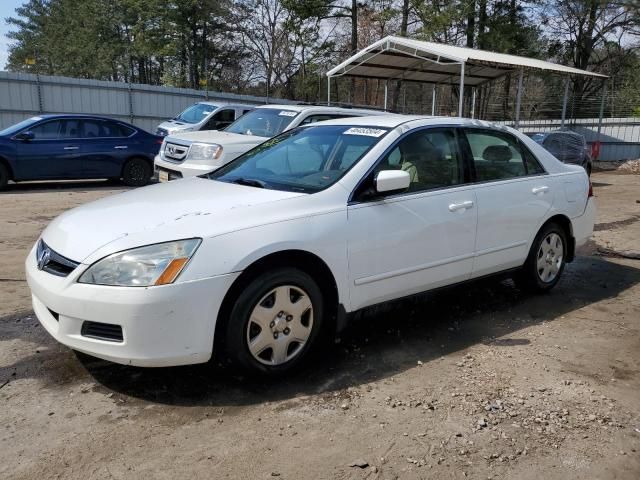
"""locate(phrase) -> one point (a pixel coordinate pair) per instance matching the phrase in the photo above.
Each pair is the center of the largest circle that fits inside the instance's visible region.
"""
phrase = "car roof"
(321, 109)
(393, 120)
(226, 104)
(49, 116)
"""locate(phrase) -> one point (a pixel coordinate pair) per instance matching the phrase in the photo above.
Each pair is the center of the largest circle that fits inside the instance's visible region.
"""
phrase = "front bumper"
(161, 326)
(184, 169)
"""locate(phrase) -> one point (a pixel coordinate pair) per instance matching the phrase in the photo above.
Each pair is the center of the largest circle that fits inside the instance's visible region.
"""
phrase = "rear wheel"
(275, 322)
(4, 176)
(546, 260)
(136, 172)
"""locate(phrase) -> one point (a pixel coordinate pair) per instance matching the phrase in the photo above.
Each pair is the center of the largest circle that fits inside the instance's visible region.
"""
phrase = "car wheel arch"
(306, 261)
(135, 157)
(564, 222)
(7, 165)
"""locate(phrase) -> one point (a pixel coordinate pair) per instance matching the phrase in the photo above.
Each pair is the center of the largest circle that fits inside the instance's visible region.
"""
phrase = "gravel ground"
(480, 381)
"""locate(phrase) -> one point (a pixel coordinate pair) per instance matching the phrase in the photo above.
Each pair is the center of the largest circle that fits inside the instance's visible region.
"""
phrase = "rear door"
(54, 152)
(106, 145)
(513, 195)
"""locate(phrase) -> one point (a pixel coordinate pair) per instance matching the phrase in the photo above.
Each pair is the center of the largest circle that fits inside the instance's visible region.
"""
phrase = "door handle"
(120, 147)
(537, 190)
(454, 207)
(71, 148)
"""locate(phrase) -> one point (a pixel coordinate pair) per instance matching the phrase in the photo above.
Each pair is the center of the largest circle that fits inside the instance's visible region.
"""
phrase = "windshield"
(19, 126)
(196, 113)
(263, 122)
(306, 159)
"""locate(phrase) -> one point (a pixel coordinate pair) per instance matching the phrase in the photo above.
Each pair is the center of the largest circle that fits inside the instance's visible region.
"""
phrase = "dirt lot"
(480, 381)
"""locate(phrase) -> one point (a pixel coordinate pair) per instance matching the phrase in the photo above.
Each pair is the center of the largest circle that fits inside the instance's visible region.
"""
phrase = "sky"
(7, 9)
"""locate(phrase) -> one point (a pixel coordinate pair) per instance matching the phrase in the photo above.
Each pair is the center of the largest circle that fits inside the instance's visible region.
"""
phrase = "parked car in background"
(65, 147)
(190, 154)
(203, 116)
(261, 259)
(566, 146)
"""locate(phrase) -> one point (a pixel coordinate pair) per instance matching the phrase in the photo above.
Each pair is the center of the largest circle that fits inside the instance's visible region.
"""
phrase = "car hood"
(219, 137)
(175, 210)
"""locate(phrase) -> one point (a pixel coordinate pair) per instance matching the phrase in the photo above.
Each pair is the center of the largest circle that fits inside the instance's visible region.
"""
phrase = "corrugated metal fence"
(24, 95)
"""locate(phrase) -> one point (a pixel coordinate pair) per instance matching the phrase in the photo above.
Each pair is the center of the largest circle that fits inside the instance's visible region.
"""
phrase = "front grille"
(174, 152)
(52, 262)
(102, 331)
(162, 132)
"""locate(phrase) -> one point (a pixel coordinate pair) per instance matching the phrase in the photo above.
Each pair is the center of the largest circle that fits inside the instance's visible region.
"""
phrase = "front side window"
(220, 120)
(196, 113)
(47, 130)
(499, 156)
(430, 156)
(302, 160)
(263, 122)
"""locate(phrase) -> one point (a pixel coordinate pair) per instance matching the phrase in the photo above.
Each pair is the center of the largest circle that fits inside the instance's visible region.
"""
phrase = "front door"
(419, 239)
(54, 153)
(513, 196)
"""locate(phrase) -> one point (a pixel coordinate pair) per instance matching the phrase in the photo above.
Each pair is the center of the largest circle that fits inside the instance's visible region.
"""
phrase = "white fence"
(24, 95)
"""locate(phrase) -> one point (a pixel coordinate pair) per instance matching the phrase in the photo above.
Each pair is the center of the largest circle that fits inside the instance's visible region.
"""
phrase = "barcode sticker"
(287, 113)
(369, 132)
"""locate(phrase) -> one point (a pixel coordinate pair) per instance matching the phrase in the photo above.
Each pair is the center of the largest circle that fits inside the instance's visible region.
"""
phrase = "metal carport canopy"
(399, 58)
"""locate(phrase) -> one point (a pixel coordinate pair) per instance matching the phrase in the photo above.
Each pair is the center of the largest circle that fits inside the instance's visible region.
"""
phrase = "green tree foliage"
(284, 47)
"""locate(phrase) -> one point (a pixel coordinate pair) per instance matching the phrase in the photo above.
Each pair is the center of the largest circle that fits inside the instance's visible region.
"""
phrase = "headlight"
(157, 264)
(204, 151)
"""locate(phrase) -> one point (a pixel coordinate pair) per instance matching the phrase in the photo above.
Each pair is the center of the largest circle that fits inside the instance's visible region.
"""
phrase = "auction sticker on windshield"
(369, 132)
(287, 113)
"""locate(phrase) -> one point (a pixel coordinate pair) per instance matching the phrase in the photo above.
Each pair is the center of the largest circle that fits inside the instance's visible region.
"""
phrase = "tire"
(546, 261)
(136, 172)
(269, 333)
(4, 176)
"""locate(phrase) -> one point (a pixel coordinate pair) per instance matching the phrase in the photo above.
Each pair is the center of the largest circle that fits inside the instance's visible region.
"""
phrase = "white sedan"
(265, 256)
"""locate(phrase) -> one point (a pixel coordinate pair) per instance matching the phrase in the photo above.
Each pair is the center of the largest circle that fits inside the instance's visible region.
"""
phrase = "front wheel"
(275, 322)
(546, 260)
(136, 172)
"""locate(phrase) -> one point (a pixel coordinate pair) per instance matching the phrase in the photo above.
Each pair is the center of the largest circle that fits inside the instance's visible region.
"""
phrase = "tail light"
(590, 188)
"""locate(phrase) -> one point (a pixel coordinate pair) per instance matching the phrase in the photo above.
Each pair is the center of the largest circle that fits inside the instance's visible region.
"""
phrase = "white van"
(203, 116)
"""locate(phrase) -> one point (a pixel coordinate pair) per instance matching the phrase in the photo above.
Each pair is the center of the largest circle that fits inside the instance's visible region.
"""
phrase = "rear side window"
(499, 156)
(104, 129)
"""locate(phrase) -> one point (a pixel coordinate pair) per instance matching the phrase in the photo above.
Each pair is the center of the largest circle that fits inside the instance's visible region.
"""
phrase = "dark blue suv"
(63, 147)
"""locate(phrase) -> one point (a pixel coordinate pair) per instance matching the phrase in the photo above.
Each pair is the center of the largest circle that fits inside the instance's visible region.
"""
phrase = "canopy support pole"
(433, 101)
(564, 102)
(328, 91)
(386, 91)
(473, 102)
(604, 94)
(461, 101)
(518, 100)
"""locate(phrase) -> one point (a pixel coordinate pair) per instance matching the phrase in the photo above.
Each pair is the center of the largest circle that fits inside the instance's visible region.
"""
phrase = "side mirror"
(25, 136)
(392, 181)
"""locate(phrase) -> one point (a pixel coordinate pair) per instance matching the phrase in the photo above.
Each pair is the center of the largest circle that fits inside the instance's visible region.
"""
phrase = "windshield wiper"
(249, 182)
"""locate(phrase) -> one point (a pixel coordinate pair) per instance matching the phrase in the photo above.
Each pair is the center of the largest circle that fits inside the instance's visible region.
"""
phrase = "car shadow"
(380, 343)
(386, 340)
